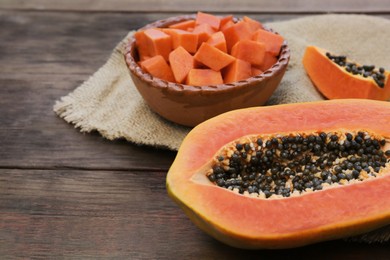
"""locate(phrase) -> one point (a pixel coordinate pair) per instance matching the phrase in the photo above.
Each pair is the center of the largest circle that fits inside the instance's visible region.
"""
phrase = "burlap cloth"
(109, 103)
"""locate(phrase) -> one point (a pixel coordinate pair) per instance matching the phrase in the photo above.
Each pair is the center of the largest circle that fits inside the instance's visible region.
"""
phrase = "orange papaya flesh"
(335, 82)
(243, 221)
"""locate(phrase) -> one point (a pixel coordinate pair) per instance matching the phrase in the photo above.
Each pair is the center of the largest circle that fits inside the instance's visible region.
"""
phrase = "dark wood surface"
(64, 194)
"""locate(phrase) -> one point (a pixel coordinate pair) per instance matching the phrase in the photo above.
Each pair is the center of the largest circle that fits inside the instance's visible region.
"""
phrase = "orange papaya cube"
(218, 41)
(204, 77)
(237, 32)
(181, 62)
(187, 40)
(204, 32)
(227, 25)
(158, 42)
(142, 46)
(237, 70)
(256, 71)
(212, 57)
(272, 41)
(250, 51)
(254, 25)
(185, 25)
(212, 20)
(269, 61)
(225, 20)
(158, 67)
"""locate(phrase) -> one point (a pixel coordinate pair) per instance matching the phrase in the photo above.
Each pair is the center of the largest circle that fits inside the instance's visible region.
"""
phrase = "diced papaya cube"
(272, 41)
(142, 46)
(227, 25)
(237, 70)
(269, 61)
(218, 41)
(187, 40)
(254, 25)
(204, 77)
(212, 57)
(256, 71)
(204, 31)
(212, 20)
(237, 32)
(185, 25)
(225, 20)
(158, 67)
(250, 51)
(158, 42)
(181, 63)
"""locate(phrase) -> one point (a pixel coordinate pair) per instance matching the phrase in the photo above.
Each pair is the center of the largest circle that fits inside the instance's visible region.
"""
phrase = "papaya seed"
(285, 165)
(364, 70)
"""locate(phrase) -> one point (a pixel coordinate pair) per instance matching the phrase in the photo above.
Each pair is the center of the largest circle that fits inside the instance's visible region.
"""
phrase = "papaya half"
(342, 78)
(287, 175)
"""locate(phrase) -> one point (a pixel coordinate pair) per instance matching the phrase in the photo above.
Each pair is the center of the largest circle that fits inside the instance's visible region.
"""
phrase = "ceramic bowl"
(191, 105)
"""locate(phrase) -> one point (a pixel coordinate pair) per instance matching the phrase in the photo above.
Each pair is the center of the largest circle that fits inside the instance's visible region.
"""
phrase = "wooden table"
(64, 194)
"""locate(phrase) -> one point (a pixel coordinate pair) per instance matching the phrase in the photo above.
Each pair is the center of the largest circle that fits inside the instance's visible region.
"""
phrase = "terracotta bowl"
(191, 105)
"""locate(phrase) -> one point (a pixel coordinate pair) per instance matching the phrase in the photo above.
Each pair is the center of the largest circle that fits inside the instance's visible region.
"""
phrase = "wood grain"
(247, 6)
(53, 214)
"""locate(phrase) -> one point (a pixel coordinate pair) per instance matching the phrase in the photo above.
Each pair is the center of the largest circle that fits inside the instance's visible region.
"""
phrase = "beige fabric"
(109, 103)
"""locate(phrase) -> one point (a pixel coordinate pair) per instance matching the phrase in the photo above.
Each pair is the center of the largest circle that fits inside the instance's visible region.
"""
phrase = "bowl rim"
(135, 69)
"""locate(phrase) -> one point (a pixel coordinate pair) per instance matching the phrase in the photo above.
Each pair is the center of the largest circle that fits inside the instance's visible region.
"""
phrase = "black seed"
(355, 174)
(239, 147)
(220, 158)
(337, 169)
(309, 184)
(334, 137)
(341, 176)
(334, 178)
(212, 177)
(221, 182)
(267, 193)
(324, 175)
(368, 67)
(247, 147)
(259, 142)
(387, 153)
(382, 70)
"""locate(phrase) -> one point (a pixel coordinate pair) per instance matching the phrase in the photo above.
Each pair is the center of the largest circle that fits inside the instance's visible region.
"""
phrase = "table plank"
(248, 6)
(125, 214)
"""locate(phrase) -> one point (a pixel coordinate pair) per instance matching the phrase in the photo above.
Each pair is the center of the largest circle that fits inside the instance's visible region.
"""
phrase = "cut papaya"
(204, 32)
(237, 32)
(185, 25)
(272, 41)
(204, 77)
(185, 39)
(158, 67)
(337, 77)
(212, 20)
(218, 41)
(181, 63)
(288, 175)
(212, 57)
(246, 49)
(237, 70)
(158, 42)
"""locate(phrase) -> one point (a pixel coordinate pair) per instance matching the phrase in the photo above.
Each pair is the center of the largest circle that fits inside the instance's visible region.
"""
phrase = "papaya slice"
(204, 77)
(185, 25)
(212, 20)
(158, 67)
(336, 81)
(233, 145)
